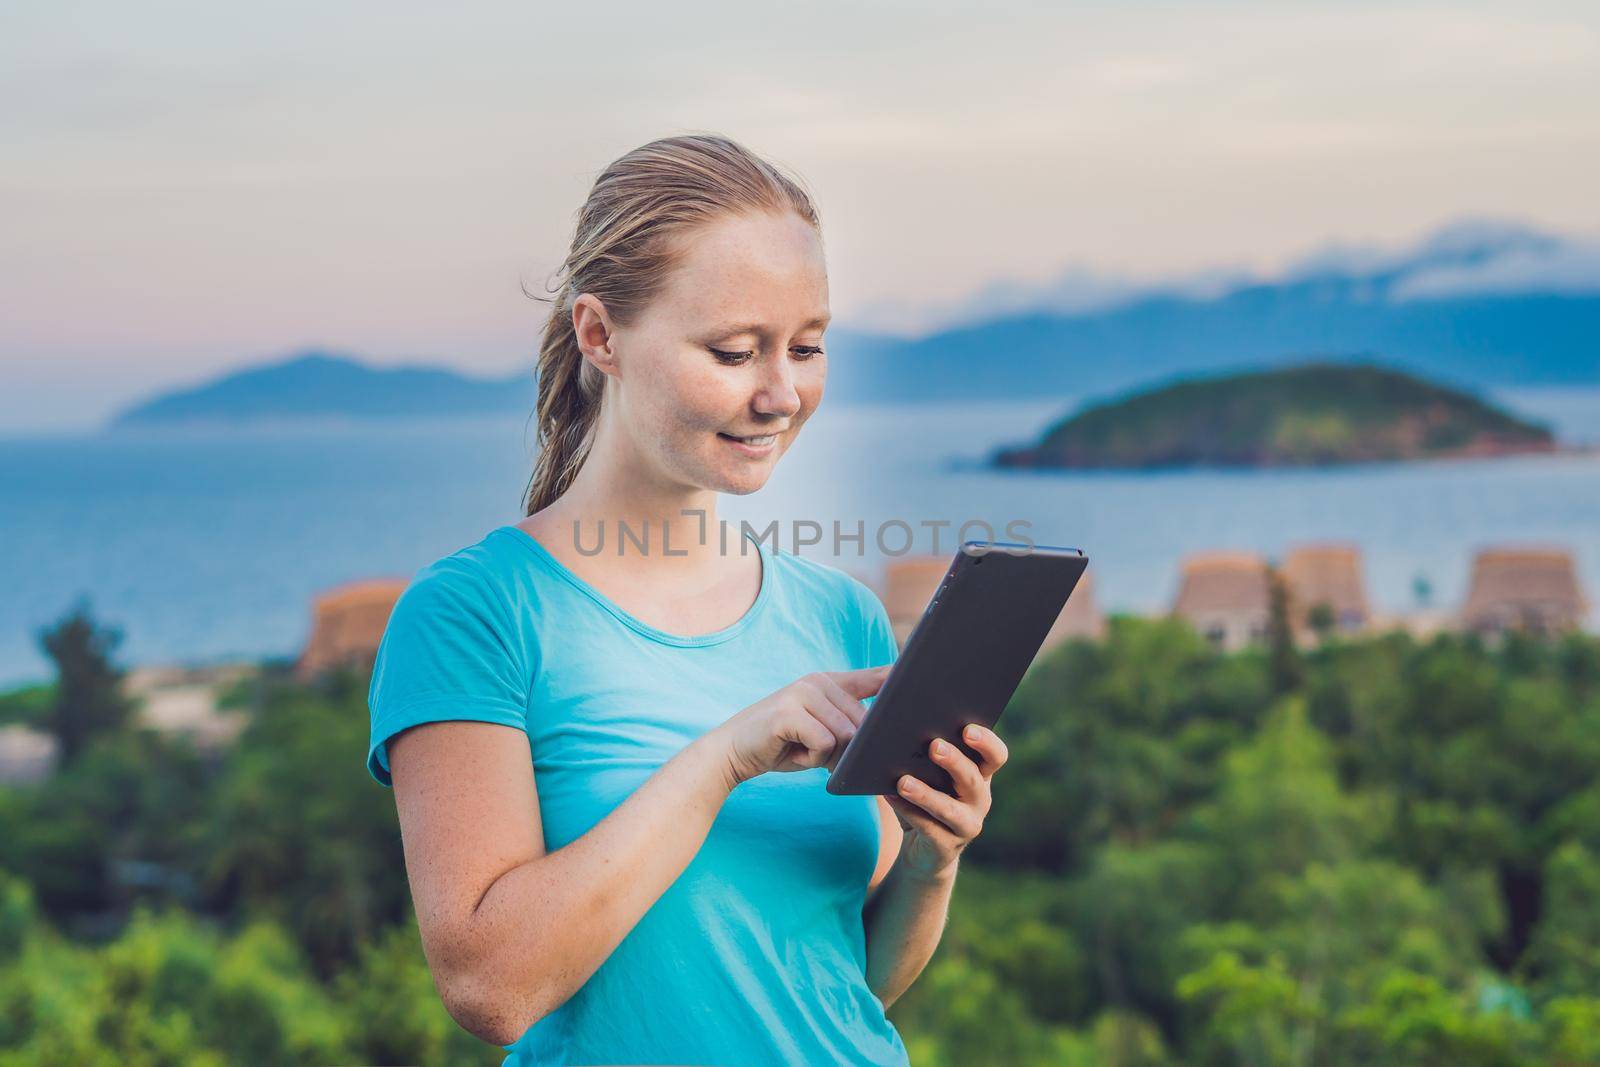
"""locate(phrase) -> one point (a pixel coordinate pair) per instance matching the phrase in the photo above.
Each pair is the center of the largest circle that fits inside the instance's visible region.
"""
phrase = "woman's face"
(730, 347)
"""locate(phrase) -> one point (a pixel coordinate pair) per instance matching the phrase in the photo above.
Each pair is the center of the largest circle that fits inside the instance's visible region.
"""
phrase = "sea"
(209, 545)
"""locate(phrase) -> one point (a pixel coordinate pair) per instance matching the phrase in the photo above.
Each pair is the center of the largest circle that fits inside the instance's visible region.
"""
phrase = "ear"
(593, 328)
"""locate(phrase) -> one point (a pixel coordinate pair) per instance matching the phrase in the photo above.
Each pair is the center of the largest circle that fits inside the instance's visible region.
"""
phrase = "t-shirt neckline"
(551, 563)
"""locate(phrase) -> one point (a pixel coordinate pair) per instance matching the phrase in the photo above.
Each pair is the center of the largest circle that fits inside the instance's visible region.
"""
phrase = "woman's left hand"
(939, 826)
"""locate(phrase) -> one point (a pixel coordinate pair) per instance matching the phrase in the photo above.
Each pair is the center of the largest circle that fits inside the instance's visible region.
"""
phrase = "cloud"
(1075, 291)
(1470, 256)
(1569, 269)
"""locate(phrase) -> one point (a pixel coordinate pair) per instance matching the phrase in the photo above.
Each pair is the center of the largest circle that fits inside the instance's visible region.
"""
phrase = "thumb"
(862, 683)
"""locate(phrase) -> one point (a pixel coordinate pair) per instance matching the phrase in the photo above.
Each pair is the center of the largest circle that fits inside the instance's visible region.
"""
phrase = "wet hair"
(628, 239)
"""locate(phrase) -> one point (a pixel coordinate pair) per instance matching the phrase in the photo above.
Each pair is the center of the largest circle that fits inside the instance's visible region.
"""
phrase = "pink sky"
(186, 191)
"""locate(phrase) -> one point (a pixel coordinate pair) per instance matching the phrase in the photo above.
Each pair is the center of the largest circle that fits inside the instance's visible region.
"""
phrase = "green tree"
(88, 697)
(122, 823)
(1414, 1020)
(1321, 619)
(1254, 1014)
(393, 1011)
(963, 1014)
(1315, 945)
(1565, 949)
(296, 831)
(1111, 741)
(1288, 671)
(1572, 1030)
(1278, 805)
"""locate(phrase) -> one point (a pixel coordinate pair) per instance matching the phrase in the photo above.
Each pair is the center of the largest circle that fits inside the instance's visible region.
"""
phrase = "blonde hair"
(626, 242)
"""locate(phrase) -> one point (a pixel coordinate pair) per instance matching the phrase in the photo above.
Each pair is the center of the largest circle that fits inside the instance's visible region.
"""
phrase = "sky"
(187, 189)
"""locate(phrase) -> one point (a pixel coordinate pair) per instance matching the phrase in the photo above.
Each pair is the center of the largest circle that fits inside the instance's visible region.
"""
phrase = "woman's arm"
(905, 919)
(511, 931)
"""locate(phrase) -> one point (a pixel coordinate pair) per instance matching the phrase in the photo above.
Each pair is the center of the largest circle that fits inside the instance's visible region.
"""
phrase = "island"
(1309, 414)
(318, 385)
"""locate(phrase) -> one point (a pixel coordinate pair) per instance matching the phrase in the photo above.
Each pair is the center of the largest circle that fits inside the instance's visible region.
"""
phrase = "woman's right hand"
(805, 724)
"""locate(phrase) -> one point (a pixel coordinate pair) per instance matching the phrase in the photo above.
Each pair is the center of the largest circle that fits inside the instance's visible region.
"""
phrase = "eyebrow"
(760, 330)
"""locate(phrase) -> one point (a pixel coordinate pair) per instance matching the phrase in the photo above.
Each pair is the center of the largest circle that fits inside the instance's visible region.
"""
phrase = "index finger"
(849, 705)
(862, 683)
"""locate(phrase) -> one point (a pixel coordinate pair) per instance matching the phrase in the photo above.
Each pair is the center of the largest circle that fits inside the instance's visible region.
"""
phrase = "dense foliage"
(1389, 853)
(1395, 862)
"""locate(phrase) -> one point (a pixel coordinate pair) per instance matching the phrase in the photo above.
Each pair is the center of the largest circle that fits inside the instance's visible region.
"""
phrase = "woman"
(603, 865)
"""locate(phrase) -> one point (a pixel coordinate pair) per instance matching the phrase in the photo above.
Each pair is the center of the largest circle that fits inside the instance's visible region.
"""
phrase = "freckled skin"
(669, 396)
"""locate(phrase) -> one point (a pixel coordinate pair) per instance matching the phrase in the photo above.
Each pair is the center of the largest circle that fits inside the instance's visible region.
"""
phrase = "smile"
(751, 446)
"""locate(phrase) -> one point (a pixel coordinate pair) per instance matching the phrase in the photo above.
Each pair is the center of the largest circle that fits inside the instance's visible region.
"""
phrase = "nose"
(778, 395)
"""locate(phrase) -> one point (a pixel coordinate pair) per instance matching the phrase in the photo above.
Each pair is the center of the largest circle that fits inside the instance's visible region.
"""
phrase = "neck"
(638, 518)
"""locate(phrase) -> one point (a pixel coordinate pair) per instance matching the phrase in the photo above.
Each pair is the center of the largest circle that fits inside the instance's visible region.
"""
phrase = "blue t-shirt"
(756, 954)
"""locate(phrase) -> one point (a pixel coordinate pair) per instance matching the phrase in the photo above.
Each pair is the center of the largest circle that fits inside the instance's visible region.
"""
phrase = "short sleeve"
(877, 641)
(448, 652)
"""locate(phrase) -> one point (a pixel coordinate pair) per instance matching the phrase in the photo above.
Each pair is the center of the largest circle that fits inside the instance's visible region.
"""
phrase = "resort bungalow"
(1224, 595)
(347, 624)
(1532, 588)
(1326, 578)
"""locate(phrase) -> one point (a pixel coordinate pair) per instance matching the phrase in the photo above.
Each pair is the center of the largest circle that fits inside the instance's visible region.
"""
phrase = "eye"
(732, 359)
(808, 351)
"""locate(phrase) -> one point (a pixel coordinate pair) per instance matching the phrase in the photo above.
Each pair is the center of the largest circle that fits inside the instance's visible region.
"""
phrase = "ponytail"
(568, 407)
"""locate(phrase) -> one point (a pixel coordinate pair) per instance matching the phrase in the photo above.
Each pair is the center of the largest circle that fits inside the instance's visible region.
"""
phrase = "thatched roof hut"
(1528, 588)
(1328, 574)
(1225, 596)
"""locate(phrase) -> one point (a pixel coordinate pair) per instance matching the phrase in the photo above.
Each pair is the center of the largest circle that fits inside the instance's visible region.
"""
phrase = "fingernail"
(972, 733)
(905, 783)
(940, 748)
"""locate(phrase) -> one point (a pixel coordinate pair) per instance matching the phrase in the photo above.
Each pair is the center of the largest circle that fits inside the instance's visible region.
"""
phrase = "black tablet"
(961, 664)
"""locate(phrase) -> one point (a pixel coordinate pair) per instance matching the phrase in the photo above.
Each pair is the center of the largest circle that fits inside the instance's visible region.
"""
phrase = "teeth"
(767, 439)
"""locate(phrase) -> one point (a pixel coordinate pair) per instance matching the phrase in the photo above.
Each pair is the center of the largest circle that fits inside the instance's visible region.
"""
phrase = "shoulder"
(453, 648)
(843, 592)
(502, 564)
(474, 586)
(465, 575)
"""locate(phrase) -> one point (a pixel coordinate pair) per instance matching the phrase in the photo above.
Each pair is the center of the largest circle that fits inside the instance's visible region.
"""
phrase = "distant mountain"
(1478, 304)
(1306, 415)
(318, 384)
